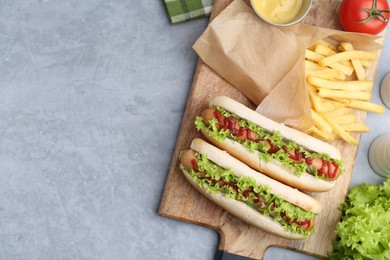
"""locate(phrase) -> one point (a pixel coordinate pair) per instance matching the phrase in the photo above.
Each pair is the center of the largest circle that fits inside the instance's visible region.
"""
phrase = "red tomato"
(363, 16)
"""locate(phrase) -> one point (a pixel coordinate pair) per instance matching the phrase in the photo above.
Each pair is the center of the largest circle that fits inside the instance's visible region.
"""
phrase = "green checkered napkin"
(183, 10)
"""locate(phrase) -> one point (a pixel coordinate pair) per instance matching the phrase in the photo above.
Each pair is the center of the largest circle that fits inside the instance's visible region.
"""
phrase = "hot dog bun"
(273, 168)
(239, 208)
(300, 138)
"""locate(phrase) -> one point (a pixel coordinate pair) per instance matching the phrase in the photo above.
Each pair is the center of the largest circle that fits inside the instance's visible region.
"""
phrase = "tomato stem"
(374, 13)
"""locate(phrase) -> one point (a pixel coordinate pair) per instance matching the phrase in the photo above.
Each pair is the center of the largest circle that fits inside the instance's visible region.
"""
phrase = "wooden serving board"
(182, 202)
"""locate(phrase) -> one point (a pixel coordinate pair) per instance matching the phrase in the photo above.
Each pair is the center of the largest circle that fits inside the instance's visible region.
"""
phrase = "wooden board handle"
(221, 255)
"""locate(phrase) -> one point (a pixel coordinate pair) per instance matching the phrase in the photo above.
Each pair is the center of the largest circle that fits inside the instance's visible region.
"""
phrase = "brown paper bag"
(265, 62)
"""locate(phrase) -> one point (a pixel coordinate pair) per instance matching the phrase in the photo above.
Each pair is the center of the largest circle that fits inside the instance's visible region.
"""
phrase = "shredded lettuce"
(275, 138)
(215, 172)
(364, 229)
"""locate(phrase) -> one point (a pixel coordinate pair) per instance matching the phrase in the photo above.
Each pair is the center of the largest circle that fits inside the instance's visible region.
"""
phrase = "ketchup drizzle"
(333, 174)
(303, 223)
(324, 168)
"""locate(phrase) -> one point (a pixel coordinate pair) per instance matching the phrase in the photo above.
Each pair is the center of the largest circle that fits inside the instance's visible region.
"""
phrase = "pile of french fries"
(337, 82)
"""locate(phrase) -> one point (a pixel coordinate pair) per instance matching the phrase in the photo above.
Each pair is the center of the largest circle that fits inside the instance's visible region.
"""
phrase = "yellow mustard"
(277, 11)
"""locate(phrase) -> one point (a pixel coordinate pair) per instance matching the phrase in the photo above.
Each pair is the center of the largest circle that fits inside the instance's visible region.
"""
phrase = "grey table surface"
(91, 99)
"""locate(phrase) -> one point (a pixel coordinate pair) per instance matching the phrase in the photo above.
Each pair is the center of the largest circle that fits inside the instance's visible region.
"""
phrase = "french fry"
(345, 101)
(340, 131)
(320, 122)
(329, 105)
(347, 55)
(326, 51)
(356, 63)
(347, 70)
(366, 106)
(339, 112)
(312, 65)
(352, 85)
(314, 131)
(324, 43)
(325, 73)
(313, 56)
(366, 63)
(340, 76)
(355, 127)
(309, 130)
(315, 99)
(359, 70)
(330, 93)
(344, 119)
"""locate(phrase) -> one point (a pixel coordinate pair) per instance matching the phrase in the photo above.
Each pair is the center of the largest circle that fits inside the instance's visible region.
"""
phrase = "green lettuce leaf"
(364, 230)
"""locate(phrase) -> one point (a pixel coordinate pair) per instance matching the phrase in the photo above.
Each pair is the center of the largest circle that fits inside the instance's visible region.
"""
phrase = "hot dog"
(249, 195)
(282, 153)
